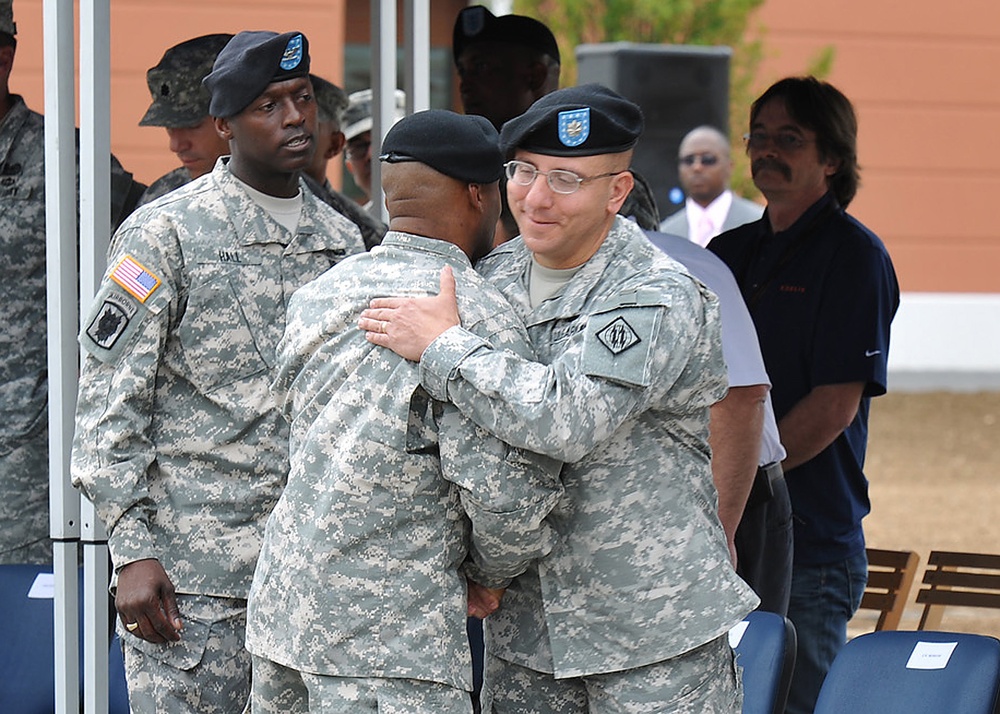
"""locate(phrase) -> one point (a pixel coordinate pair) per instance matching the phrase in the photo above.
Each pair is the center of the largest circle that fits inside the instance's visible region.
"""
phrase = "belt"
(763, 483)
(771, 471)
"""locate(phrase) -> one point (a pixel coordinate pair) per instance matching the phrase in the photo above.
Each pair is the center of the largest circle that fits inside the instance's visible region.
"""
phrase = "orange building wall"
(922, 76)
(141, 30)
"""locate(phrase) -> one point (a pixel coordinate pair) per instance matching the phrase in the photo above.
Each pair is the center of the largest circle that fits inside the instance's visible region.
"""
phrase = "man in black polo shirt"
(822, 292)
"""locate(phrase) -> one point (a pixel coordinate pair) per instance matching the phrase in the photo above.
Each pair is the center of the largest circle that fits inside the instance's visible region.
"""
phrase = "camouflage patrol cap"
(7, 23)
(179, 99)
(331, 100)
(358, 118)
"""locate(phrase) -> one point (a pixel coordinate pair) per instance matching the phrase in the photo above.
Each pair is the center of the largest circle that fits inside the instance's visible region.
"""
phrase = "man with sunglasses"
(822, 293)
(630, 611)
(704, 168)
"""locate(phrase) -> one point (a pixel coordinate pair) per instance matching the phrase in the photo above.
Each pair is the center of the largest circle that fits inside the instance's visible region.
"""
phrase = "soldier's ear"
(223, 128)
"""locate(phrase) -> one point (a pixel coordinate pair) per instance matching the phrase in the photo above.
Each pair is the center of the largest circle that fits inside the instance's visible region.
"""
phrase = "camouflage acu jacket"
(24, 507)
(629, 363)
(392, 497)
(178, 442)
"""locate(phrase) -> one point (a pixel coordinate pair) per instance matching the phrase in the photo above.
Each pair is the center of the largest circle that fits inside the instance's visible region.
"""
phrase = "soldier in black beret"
(180, 105)
(258, 71)
(393, 501)
(629, 363)
(179, 353)
(504, 64)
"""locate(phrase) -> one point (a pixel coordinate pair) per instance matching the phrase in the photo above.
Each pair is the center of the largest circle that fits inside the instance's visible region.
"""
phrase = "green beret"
(251, 61)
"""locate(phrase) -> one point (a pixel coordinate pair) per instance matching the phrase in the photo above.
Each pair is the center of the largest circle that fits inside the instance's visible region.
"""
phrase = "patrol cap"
(577, 121)
(250, 61)
(461, 146)
(477, 24)
(331, 100)
(179, 98)
(358, 118)
(7, 23)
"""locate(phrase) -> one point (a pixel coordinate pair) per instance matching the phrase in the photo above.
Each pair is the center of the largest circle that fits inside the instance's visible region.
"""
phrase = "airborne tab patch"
(135, 279)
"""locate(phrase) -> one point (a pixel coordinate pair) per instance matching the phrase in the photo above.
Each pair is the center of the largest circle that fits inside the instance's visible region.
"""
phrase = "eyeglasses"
(784, 141)
(359, 150)
(559, 180)
(706, 159)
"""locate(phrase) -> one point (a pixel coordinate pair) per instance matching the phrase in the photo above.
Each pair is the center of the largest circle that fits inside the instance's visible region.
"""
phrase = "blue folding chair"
(765, 646)
(902, 672)
(27, 658)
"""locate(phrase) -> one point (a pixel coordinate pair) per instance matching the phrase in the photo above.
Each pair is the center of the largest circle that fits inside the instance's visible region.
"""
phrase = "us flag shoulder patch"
(135, 279)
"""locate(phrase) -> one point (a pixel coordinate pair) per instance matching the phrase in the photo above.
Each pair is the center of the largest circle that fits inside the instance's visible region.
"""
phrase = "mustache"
(767, 162)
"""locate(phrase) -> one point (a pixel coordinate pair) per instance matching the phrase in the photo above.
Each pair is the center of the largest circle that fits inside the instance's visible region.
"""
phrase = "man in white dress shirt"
(704, 168)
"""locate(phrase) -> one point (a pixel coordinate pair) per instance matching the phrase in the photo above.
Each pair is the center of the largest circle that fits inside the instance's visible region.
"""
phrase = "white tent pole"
(417, 62)
(61, 287)
(95, 229)
(383, 44)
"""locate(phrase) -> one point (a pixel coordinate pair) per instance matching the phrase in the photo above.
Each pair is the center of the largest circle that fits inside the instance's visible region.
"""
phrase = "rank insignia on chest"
(135, 279)
(618, 336)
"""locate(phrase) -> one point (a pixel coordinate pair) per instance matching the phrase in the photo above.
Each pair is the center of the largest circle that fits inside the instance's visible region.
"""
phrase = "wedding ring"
(132, 626)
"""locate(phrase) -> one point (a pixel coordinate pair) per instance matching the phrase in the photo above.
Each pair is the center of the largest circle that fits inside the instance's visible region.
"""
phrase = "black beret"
(576, 121)
(477, 24)
(461, 146)
(251, 61)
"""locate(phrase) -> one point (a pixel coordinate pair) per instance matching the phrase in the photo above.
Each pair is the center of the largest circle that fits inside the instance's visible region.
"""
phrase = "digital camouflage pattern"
(207, 671)
(705, 680)
(630, 361)
(179, 98)
(280, 690)
(178, 443)
(371, 228)
(165, 184)
(24, 447)
(392, 497)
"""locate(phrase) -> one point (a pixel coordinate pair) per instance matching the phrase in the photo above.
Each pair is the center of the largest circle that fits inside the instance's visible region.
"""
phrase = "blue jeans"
(824, 598)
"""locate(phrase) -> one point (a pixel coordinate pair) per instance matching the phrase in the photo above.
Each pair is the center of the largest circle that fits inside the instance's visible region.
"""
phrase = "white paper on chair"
(736, 634)
(931, 655)
(44, 587)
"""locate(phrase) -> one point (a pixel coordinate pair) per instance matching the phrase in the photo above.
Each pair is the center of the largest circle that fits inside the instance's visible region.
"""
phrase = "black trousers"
(764, 546)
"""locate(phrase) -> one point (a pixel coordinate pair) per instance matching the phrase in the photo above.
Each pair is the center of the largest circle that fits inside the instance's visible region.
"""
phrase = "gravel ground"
(934, 467)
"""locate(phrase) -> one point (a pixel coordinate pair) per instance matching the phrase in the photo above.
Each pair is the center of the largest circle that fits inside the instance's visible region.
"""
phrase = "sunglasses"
(706, 159)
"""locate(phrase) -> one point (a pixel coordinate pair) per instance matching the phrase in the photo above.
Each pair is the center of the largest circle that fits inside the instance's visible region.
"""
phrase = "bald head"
(704, 164)
(425, 202)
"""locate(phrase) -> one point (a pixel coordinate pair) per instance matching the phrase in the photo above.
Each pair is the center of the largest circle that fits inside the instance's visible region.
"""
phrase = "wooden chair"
(890, 577)
(963, 579)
